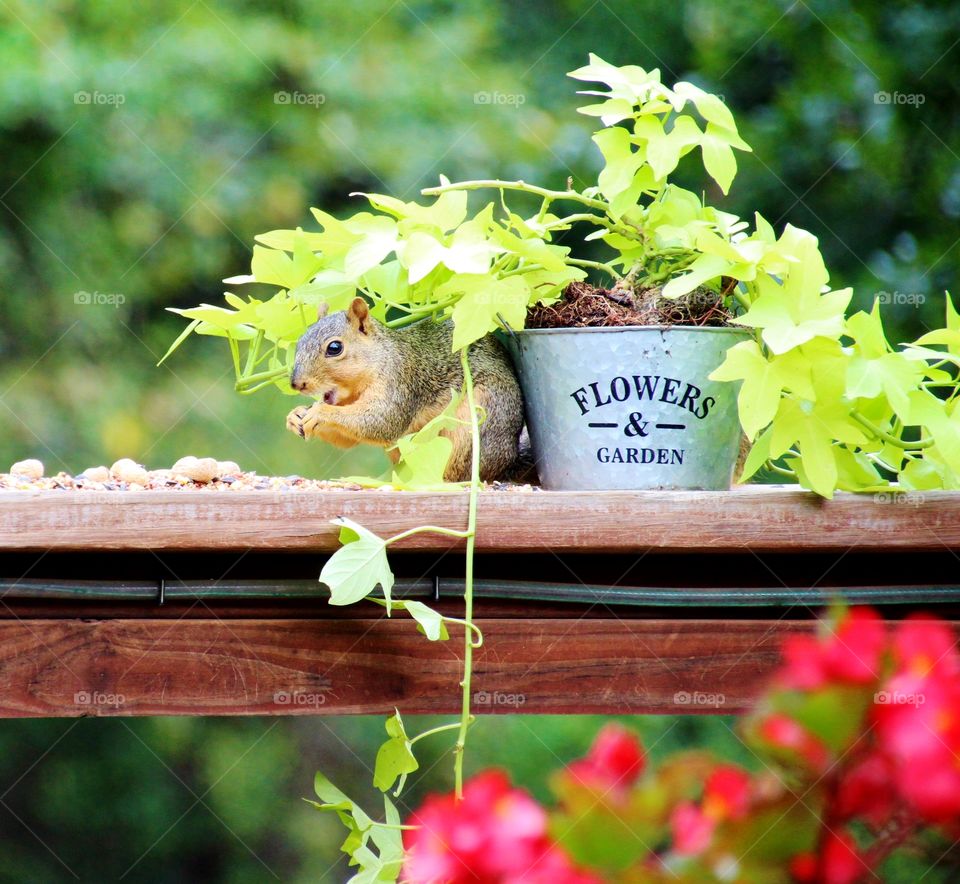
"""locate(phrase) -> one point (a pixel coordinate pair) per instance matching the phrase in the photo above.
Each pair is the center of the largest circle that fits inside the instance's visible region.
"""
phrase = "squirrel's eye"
(334, 348)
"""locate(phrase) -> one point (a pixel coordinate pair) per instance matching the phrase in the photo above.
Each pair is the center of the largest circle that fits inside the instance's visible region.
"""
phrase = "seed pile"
(187, 474)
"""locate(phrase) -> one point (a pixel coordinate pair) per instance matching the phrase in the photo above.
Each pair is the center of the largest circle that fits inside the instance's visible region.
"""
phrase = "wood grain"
(301, 667)
(758, 518)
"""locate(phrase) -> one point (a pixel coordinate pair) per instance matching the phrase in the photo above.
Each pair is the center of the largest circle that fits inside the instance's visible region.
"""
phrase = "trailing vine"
(824, 398)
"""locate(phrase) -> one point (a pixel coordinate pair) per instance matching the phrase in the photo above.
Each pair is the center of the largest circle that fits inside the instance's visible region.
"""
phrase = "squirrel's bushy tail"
(524, 469)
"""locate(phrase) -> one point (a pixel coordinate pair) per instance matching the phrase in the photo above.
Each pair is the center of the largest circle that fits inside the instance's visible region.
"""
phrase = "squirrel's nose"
(297, 384)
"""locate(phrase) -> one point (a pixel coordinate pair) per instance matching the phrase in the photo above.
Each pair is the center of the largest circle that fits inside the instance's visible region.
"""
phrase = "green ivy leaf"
(284, 239)
(758, 456)
(446, 213)
(611, 112)
(395, 757)
(797, 423)
(703, 269)
(337, 237)
(430, 622)
(787, 322)
(374, 867)
(377, 239)
(710, 107)
(664, 149)
(718, 158)
(621, 161)
(475, 314)
(356, 569)
(626, 81)
(764, 381)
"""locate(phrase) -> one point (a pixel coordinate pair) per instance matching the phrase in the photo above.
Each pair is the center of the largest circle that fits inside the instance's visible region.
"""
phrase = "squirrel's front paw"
(295, 420)
(310, 421)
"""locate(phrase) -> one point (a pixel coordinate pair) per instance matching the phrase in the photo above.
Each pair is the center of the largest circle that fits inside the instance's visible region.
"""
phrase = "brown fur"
(387, 383)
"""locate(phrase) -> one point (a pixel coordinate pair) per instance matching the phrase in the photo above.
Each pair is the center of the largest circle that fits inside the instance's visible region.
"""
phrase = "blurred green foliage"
(143, 147)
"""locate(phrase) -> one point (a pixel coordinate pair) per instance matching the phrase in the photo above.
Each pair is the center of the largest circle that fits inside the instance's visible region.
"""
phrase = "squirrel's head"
(337, 356)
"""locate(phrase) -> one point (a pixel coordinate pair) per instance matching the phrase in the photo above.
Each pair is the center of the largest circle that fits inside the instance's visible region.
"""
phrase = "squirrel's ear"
(322, 310)
(358, 312)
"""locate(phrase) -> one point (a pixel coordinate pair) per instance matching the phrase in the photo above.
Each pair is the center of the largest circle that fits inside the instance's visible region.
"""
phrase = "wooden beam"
(757, 518)
(299, 667)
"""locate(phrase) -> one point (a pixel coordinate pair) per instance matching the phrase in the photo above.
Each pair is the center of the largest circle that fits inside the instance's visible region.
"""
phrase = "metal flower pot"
(629, 408)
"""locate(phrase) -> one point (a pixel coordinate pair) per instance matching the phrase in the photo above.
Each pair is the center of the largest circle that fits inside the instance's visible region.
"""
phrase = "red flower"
(803, 868)
(850, 653)
(867, 791)
(726, 794)
(840, 863)
(783, 732)
(496, 834)
(614, 762)
(692, 829)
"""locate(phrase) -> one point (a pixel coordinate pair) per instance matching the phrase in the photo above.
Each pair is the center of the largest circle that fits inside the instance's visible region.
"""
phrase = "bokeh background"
(141, 148)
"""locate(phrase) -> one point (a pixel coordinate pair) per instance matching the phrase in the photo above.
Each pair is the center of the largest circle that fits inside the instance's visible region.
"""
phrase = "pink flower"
(726, 796)
(496, 834)
(924, 645)
(851, 653)
(783, 732)
(917, 718)
(692, 829)
(614, 762)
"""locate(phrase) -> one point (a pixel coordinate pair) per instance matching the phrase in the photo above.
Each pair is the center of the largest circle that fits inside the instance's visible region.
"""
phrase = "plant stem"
(887, 437)
(597, 265)
(484, 184)
(424, 529)
(251, 379)
(599, 220)
(253, 351)
(471, 626)
(435, 730)
(465, 717)
(782, 471)
(234, 352)
(420, 311)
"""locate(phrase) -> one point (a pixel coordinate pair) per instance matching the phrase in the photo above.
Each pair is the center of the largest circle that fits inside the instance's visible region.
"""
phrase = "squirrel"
(374, 384)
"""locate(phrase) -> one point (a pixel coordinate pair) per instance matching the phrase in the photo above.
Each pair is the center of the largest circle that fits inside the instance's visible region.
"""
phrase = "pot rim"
(630, 328)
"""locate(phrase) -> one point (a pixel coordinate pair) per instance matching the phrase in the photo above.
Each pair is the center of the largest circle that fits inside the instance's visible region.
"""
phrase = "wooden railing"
(207, 603)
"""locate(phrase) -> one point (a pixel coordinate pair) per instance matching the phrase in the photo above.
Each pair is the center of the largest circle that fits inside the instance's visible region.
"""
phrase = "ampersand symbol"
(637, 426)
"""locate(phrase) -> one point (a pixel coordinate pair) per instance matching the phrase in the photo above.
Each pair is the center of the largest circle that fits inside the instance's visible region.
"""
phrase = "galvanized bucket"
(629, 408)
